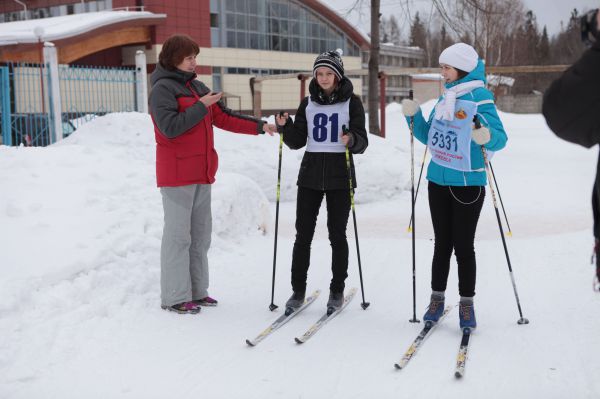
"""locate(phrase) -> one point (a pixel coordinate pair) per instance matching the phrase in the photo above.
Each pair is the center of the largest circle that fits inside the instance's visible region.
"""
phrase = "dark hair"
(175, 49)
(461, 73)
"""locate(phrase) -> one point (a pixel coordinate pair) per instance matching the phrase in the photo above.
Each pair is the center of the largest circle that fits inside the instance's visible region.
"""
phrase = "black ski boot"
(295, 302)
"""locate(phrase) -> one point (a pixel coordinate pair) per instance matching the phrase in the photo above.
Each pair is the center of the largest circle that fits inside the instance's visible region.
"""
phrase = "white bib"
(450, 140)
(324, 124)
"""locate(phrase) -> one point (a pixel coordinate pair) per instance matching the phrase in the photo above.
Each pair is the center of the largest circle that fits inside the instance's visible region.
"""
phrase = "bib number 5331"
(444, 141)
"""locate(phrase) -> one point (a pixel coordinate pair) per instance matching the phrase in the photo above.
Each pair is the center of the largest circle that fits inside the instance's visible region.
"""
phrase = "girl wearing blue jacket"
(456, 172)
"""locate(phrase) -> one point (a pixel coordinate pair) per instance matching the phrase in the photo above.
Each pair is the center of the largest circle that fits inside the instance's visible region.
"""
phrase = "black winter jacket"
(327, 170)
(572, 104)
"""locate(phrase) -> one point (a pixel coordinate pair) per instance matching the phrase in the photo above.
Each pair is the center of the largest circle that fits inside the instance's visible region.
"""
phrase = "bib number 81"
(320, 132)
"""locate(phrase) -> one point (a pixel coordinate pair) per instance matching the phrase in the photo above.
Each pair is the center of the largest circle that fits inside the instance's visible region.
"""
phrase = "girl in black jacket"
(323, 172)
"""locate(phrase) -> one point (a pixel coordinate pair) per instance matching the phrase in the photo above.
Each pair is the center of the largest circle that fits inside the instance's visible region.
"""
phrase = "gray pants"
(185, 243)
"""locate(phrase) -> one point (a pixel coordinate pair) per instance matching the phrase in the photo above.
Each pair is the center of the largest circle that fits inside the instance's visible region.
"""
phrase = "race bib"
(450, 141)
(324, 123)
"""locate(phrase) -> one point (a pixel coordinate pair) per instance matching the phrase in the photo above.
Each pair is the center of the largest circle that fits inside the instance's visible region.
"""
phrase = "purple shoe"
(206, 301)
(183, 308)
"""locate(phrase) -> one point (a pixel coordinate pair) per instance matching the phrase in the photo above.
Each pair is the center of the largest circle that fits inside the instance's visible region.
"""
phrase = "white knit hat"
(460, 56)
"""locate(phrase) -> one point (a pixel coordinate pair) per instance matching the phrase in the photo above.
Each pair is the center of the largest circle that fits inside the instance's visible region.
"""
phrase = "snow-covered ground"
(81, 223)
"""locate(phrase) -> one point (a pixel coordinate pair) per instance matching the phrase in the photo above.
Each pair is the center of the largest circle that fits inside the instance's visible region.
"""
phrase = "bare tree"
(374, 69)
(485, 23)
(372, 91)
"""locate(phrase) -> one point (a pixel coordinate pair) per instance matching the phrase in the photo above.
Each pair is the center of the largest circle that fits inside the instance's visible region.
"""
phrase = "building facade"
(238, 39)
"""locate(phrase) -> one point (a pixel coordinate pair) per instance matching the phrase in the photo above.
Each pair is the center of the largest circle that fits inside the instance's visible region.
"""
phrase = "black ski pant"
(596, 213)
(454, 212)
(307, 210)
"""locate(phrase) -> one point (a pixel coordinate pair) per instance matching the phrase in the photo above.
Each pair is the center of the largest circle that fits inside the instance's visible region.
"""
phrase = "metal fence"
(23, 103)
(30, 103)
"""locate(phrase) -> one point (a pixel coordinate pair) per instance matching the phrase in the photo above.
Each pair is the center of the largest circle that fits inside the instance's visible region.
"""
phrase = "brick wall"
(190, 17)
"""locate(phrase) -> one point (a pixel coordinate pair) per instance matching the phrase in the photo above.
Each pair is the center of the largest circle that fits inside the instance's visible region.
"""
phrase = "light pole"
(38, 31)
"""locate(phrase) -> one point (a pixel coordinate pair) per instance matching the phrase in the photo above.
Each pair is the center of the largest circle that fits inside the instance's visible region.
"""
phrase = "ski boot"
(336, 300)
(435, 309)
(466, 314)
(295, 302)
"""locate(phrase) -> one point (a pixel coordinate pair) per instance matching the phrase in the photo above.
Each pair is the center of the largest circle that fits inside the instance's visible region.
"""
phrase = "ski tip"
(458, 374)
(250, 343)
(298, 340)
(397, 366)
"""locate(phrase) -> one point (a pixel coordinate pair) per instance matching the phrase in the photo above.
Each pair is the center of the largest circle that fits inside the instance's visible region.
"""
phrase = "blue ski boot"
(466, 314)
(435, 309)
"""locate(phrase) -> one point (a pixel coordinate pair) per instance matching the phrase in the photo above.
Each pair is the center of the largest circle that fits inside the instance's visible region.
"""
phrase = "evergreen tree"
(418, 33)
(394, 31)
(544, 48)
(384, 30)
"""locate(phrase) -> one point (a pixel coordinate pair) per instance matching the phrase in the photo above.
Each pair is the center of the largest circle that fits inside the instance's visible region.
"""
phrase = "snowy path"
(93, 328)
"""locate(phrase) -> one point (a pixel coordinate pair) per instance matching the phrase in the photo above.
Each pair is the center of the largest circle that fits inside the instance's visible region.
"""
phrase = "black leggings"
(307, 210)
(454, 212)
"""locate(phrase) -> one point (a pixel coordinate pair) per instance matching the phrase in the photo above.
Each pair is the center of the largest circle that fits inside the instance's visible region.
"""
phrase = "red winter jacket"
(183, 127)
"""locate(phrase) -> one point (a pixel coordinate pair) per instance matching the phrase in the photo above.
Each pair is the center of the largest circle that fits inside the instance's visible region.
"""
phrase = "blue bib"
(450, 141)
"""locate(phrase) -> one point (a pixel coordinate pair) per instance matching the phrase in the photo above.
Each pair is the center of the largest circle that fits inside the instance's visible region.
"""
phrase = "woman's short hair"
(461, 73)
(175, 49)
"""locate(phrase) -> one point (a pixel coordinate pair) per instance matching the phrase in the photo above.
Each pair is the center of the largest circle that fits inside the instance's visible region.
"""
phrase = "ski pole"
(412, 215)
(272, 306)
(409, 228)
(501, 203)
(522, 320)
(364, 304)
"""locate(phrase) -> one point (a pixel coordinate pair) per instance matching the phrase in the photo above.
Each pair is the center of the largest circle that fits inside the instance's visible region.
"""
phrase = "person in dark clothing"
(184, 111)
(572, 108)
(318, 125)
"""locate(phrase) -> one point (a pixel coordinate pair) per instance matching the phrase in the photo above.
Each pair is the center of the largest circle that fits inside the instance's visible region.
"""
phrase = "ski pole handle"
(476, 122)
(281, 115)
(410, 94)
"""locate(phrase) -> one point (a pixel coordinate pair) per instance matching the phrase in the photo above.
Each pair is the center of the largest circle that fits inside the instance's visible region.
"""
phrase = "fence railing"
(40, 104)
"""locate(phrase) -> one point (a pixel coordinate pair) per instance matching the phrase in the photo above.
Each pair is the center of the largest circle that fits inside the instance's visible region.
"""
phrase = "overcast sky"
(548, 12)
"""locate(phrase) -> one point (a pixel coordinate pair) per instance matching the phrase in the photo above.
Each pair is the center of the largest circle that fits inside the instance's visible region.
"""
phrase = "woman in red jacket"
(184, 111)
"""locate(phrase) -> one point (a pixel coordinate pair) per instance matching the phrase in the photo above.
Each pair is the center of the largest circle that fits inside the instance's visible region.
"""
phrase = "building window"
(214, 20)
(277, 25)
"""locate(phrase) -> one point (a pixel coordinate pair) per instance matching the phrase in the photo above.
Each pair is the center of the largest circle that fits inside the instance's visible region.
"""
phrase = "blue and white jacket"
(486, 110)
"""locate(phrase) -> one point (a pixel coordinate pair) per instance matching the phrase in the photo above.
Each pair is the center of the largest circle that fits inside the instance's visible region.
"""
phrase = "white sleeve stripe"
(485, 102)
